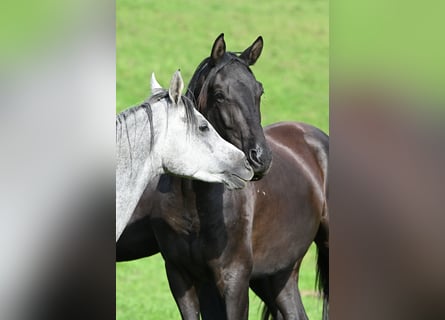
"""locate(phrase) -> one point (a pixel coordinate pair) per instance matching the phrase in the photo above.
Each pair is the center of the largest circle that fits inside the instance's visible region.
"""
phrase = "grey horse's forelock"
(189, 113)
(121, 118)
(189, 106)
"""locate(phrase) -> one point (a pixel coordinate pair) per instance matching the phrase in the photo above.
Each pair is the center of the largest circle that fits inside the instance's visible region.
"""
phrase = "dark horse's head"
(228, 95)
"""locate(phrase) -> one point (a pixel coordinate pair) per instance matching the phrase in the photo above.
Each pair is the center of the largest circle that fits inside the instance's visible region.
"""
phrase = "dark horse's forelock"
(207, 71)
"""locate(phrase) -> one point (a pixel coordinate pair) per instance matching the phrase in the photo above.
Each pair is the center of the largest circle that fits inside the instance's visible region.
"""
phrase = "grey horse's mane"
(121, 118)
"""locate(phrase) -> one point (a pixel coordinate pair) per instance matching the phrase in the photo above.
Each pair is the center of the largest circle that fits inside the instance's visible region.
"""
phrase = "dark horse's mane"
(206, 72)
(121, 118)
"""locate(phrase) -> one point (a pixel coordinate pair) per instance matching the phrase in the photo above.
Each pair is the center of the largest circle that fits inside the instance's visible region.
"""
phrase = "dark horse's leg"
(211, 304)
(281, 295)
(184, 291)
(280, 291)
(289, 299)
(261, 287)
(232, 282)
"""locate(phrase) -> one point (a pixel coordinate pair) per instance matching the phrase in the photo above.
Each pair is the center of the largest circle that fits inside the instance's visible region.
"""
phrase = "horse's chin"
(233, 182)
(230, 180)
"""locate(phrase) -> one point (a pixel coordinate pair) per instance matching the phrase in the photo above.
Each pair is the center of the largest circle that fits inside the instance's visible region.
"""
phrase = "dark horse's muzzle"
(260, 159)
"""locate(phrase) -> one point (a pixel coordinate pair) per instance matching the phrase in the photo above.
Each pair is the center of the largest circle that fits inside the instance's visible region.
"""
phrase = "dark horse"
(217, 242)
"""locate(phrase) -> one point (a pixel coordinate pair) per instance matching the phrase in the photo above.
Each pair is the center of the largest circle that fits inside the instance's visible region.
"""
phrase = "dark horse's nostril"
(255, 156)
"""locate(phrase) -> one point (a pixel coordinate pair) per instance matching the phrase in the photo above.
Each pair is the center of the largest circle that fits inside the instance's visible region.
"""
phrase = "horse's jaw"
(233, 179)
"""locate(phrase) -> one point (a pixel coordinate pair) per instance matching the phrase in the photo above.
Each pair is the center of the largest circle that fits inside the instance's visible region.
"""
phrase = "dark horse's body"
(217, 242)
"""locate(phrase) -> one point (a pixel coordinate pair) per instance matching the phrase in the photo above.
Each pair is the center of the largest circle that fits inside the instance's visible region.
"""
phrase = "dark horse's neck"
(209, 203)
(195, 209)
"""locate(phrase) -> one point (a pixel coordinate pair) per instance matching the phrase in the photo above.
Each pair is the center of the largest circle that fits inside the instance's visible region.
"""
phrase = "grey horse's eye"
(203, 127)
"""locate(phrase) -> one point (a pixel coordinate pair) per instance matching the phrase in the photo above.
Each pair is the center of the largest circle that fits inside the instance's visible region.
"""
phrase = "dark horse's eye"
(204, 127)
(219, 97)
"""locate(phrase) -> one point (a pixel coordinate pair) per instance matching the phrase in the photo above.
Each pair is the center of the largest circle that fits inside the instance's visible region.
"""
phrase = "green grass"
(162, 36)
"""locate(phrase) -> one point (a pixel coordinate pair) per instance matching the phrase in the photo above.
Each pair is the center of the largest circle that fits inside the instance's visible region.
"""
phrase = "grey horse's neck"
(137, 160)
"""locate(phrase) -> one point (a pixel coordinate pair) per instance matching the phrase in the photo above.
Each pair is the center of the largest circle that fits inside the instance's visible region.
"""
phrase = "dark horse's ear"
(251, 54)
(218, 49)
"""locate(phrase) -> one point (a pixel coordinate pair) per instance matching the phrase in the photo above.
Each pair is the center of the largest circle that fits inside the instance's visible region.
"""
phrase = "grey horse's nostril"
(246, 163)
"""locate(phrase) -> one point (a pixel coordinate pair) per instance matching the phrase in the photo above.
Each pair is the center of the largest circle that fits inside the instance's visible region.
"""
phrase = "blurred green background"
(162, 36)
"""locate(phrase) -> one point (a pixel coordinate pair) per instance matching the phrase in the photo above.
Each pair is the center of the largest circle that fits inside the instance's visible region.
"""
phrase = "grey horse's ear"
(176, 87)
(252, 53)
(155, 86)
(218, 49)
